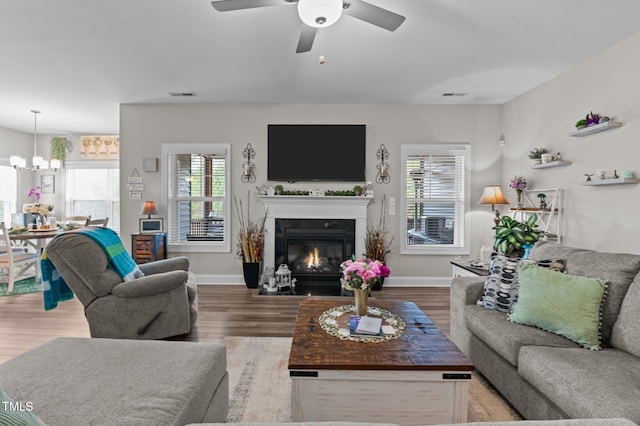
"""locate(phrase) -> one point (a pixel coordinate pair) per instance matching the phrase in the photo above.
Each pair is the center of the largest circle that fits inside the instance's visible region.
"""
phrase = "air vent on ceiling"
(454, 94)
(182, 94)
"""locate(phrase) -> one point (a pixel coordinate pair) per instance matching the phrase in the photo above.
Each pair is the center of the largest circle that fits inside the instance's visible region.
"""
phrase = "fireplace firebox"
(314, 249)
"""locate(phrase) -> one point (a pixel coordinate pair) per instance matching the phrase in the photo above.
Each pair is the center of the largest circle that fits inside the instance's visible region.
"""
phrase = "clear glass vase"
(519, 204)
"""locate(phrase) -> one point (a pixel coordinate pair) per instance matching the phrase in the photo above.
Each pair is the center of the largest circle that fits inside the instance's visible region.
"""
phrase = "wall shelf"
(596, 128)
(556, 163)
(549, 219)
(617, 181)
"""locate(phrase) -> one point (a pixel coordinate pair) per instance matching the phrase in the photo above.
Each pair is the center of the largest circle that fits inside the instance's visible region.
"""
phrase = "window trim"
(198, 148)
(430, 149)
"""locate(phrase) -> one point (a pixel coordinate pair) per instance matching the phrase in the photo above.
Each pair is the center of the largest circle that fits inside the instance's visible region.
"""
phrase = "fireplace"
(314, 249)
(328, 209)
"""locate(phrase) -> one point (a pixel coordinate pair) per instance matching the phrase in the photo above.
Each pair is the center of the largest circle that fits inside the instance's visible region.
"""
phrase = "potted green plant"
(581, 124)
(250, 243)
(536, 155)
(58, 147)
(514, 238)
(377, 244)
(278, 189)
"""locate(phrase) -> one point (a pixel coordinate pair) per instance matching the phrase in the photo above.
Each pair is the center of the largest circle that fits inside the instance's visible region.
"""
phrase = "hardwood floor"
(222, 311)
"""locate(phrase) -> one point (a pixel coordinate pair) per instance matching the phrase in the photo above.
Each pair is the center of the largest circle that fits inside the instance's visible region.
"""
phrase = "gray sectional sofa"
(79, 382)
(547, 376)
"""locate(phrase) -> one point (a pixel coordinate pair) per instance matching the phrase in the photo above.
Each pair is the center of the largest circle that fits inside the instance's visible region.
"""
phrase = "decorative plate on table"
(335, 321)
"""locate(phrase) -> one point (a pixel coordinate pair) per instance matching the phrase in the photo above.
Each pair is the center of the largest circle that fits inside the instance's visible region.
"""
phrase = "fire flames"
(313, 260)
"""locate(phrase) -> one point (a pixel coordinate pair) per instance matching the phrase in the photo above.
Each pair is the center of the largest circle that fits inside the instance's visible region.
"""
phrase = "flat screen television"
(316, 152)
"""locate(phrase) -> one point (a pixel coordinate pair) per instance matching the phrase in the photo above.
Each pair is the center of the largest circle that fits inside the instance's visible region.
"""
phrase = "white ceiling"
(76, 61)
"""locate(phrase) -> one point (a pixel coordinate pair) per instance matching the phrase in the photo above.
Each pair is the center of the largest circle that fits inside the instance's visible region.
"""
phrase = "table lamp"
(149, 208)
(493, 195)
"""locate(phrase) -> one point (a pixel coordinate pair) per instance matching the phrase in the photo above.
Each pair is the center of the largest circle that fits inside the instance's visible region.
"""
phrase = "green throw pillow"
(563, 304)
(14, 413)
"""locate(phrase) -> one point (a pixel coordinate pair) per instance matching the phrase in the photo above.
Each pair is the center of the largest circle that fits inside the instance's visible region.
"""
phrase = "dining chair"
(75, 220)
(97, 222)
(17, 264)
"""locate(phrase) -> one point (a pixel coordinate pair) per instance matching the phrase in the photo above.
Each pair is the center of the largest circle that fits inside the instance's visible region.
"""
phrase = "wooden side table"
(148, 247)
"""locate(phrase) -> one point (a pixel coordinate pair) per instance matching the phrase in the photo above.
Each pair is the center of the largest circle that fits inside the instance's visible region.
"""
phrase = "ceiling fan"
(321, 14)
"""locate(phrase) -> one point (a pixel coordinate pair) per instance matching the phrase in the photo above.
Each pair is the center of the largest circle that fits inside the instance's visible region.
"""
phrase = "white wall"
(144, 127)
(602, 217)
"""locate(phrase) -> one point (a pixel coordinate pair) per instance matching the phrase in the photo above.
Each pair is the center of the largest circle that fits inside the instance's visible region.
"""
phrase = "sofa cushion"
(585, 384)
(501, 285)
(563, 304)
(617, 269)
(505, 337)
(17, 413)
(74, 381)
(626, 330)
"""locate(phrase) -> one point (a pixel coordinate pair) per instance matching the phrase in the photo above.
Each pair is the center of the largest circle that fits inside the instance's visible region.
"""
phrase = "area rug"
(25, 286)
(260, 388)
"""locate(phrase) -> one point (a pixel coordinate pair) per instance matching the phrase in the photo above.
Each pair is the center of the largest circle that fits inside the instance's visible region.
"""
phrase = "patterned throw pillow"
(501, 286)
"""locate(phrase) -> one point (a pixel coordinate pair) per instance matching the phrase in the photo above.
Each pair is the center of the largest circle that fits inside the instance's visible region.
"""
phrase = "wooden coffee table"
(419, 378)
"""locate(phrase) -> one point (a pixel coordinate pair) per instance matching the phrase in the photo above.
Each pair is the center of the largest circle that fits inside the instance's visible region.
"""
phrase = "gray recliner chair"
(161, 304)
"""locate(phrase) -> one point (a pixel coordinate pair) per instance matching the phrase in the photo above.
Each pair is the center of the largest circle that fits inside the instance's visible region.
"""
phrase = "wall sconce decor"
(383, 167)
(247, 167)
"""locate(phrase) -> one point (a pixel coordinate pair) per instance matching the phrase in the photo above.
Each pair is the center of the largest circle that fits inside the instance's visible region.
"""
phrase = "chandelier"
(37, 161)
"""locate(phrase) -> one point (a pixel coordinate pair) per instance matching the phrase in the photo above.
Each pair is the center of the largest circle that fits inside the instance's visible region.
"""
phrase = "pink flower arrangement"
(361, 273)
(35, 193)
(518, 183)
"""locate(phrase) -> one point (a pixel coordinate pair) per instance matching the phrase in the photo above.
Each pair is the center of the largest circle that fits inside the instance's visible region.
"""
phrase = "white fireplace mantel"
(307, 207)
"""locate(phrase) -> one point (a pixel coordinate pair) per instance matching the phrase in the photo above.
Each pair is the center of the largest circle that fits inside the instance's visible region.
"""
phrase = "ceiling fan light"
(319, 13)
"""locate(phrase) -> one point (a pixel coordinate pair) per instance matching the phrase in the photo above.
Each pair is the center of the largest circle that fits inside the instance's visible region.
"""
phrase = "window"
(93, 189)
(435, 199)
(8, 192)
(197, 191)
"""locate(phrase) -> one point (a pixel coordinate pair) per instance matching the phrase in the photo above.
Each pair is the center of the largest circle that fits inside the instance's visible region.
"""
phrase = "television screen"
(317, 152)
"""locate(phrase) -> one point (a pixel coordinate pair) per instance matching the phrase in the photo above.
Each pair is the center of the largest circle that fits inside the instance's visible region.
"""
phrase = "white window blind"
(435, 198)
(8, 192)
(197, 190)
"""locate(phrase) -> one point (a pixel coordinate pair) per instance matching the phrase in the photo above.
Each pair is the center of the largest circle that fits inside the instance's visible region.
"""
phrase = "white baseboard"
(207, 279)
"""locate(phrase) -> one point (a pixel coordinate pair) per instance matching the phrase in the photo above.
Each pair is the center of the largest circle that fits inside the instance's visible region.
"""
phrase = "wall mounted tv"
(316, 152)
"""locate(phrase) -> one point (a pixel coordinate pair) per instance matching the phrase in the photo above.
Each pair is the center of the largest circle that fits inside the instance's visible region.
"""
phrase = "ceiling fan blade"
(375, 15)
(307, 35)
(227, 5)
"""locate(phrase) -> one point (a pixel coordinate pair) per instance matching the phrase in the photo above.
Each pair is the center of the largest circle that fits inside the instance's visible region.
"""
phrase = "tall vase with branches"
(377, 242)
(250, 243)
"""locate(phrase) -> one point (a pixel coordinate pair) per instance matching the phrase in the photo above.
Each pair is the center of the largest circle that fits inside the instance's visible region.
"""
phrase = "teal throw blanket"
(55, 290)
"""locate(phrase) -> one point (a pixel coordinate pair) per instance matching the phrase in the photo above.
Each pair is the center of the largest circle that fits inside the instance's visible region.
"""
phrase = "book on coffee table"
(365, 326)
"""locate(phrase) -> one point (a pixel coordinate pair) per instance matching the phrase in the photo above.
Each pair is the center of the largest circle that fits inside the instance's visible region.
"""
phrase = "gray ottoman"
(76, 381)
